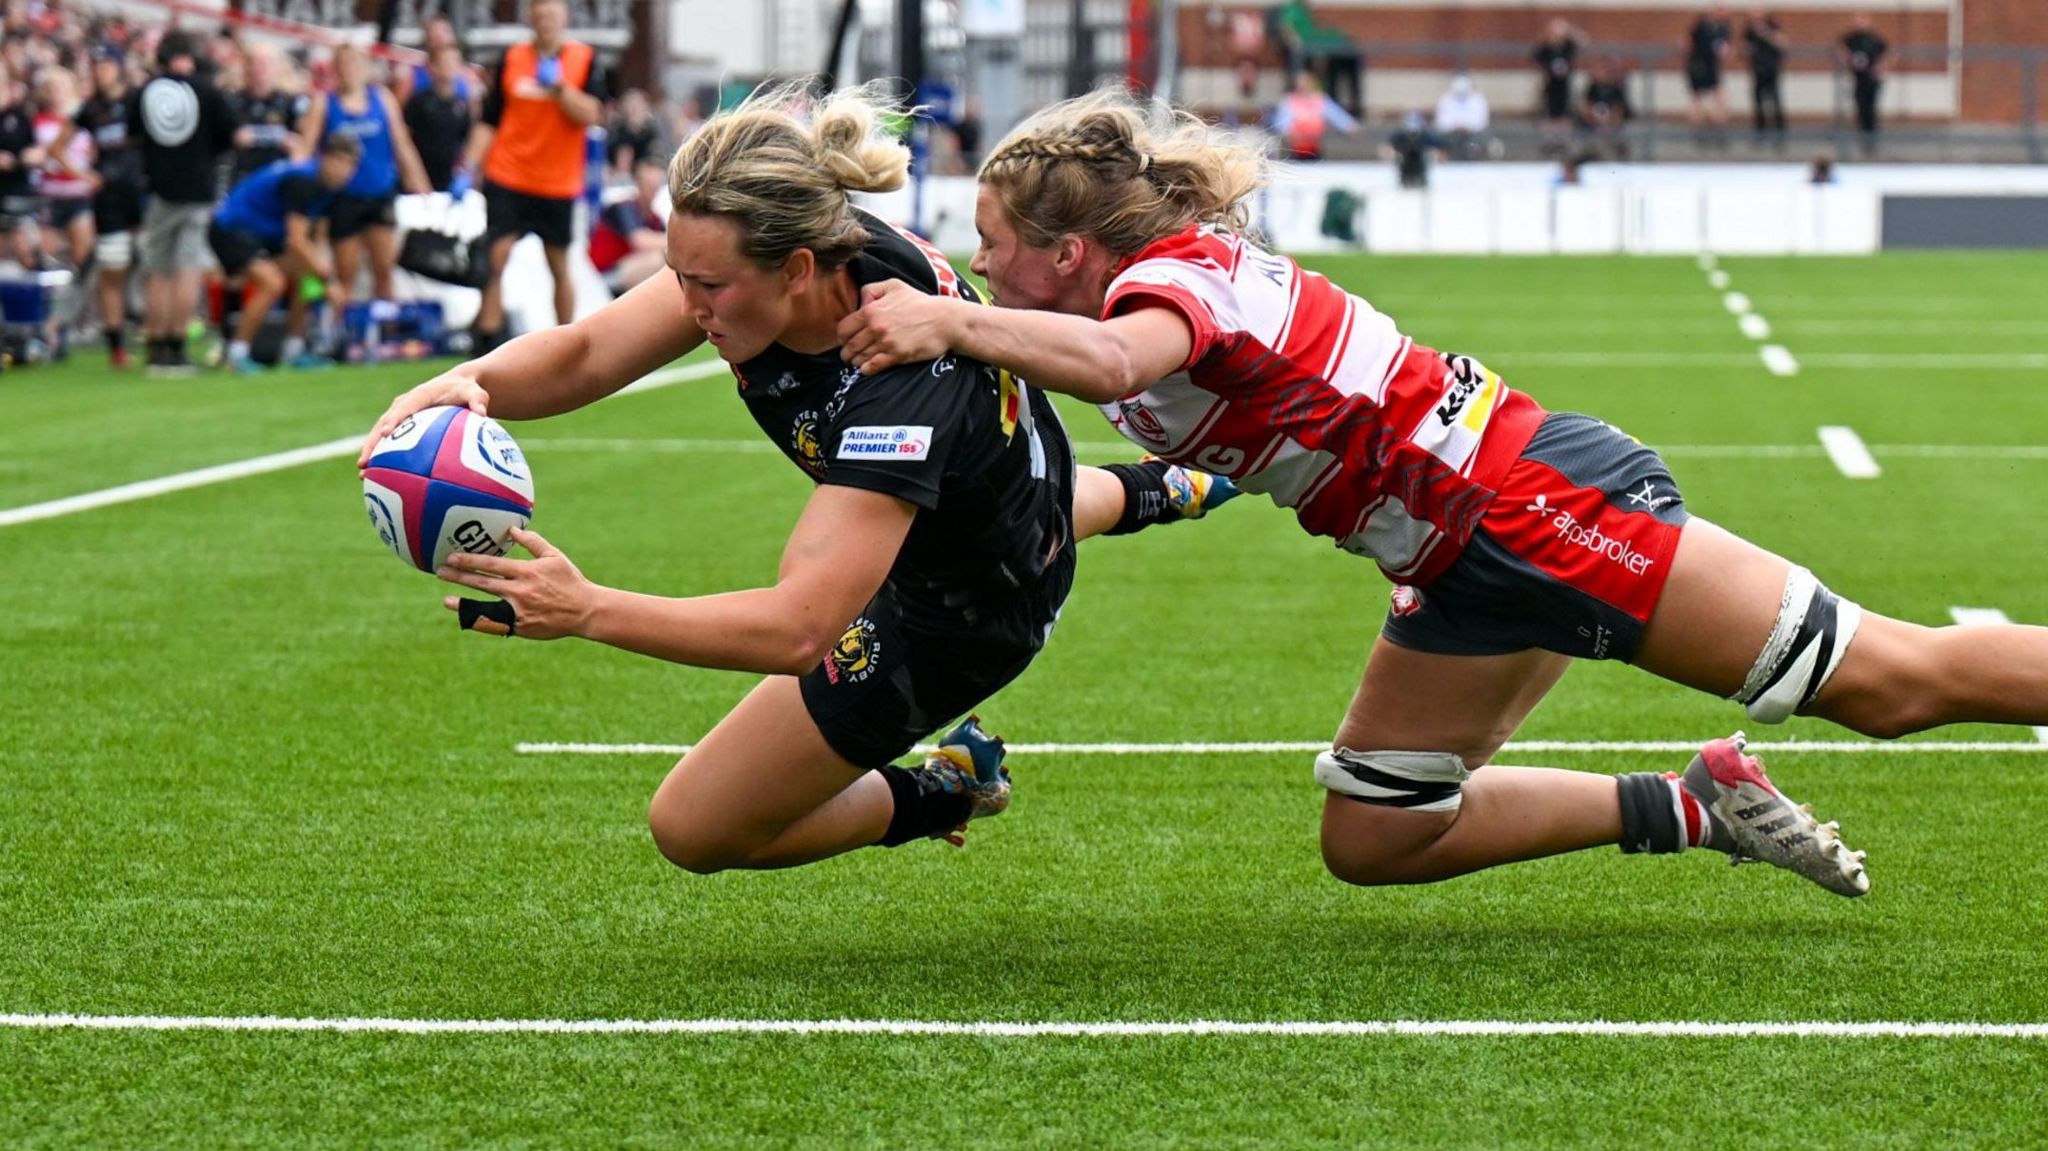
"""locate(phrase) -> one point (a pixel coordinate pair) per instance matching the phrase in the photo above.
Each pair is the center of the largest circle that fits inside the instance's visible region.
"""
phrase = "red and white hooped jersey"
(1300, 390)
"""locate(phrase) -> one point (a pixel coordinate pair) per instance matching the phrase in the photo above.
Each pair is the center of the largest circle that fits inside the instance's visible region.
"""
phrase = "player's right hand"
(453, 388)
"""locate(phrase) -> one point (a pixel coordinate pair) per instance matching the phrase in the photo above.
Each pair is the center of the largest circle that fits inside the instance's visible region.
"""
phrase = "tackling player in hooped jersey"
(931, 560)
(1113, 236)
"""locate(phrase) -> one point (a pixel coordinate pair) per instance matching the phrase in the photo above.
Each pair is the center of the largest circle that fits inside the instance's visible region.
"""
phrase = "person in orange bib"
(529, 145)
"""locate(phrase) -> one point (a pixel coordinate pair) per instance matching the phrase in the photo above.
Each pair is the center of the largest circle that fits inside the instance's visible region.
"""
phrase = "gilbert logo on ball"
(447, 480)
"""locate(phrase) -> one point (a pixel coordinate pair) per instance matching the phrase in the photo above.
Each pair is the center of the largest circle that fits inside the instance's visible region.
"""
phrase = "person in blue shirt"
(364, 217)
(264, 235)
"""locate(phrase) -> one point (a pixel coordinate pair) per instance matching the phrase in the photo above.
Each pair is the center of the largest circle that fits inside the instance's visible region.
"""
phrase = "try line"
(275, 462)
(1847, 747)
(1686, 1029)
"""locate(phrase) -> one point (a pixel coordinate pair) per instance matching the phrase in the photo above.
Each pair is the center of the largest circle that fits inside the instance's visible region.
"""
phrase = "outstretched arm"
(1100, 361)
(836, 559)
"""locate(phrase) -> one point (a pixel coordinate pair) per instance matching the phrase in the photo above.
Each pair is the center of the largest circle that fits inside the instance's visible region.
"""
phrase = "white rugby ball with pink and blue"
(447, 480)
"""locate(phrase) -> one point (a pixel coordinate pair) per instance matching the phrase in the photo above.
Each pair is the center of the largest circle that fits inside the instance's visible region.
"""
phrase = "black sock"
(1145, 502)
(920, 814)
(117, 336)
(1649, 821)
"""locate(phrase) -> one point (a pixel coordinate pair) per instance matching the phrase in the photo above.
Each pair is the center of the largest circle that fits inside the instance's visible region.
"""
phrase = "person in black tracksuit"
(117, 204)
(1766, 42)
(1862, 52)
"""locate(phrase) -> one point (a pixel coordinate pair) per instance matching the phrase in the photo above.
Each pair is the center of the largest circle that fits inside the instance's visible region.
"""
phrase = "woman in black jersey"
(942, 525)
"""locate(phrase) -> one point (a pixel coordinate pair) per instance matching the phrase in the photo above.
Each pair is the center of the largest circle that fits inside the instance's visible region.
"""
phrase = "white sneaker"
(1769, 827)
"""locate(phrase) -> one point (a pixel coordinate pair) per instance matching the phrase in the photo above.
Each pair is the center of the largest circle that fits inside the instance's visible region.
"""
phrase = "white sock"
(294, 347)
(238, 349)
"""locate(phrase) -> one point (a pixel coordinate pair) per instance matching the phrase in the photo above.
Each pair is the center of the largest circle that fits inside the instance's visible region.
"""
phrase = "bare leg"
(382, 242)
(266, 283)
(763, 789)
(490, 313)
(565, 288)
(1895, 679)
(1098, 502)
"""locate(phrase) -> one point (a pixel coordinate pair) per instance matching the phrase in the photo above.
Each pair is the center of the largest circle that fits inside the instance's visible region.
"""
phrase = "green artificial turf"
(251, 768)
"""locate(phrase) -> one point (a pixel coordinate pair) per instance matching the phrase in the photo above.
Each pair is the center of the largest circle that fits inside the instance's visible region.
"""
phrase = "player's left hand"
(895, 324)
(549, 597)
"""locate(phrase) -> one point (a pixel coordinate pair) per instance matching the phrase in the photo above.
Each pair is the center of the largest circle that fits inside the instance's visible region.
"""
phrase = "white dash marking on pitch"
(1778, 360)
(1717, 280)
(1851, 457)
(1990, 617)
(275, 462)
(1708, 262)
(1274, 747)
(1735, 302)
(1107, 1029)
(1755, 326)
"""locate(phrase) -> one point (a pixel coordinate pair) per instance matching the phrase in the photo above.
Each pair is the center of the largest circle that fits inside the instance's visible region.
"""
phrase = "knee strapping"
(1415, 780)
(1813, 629)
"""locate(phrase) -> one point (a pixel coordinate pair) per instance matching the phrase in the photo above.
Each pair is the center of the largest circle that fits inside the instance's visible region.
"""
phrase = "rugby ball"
(446, 480)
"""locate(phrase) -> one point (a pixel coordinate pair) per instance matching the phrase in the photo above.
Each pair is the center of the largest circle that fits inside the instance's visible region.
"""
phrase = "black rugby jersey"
(982, 456)
(271, 120)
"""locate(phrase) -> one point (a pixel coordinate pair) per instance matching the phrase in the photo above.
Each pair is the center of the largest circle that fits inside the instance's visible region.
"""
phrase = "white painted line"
(1708, 262)
(278, 461)
(1778, 360)
(1309, 745)
(1755, 326)
(1852, 458)
(1647, 1029)
(1717, 280)
(144, 489)
(1735, 302)
(1990, 617)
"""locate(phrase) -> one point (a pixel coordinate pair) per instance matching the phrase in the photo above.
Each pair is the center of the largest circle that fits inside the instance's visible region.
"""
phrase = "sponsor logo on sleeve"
(886, 442)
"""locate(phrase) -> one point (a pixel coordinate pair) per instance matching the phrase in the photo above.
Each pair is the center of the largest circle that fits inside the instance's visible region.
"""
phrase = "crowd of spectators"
(178, 157)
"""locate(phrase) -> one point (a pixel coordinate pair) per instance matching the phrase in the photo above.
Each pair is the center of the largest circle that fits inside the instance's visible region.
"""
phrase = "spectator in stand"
(20, 155)
(633, 134)
(1767, 46)
(1604, 110)
(1557, 57)
(414, 78)
(181, 124)
(967, 132)
(67, 187)
(1307, 44)
(1304, 117)
(267, 114)
(1862, 52)
(439, 118)
(264, 235)
(689, 119)
(365, 217)
(118, 191)
(1462, 118)
(627, 242)
(1706, 52)
(1412, 149)
(529, 144)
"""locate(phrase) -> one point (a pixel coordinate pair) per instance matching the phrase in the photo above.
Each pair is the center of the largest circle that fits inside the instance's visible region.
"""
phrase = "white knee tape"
(1414, 780)
(1813, 629)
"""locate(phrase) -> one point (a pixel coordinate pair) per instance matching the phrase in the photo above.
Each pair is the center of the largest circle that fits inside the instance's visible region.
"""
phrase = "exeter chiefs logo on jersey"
(170, 111)
(857, 654)
(803, 438)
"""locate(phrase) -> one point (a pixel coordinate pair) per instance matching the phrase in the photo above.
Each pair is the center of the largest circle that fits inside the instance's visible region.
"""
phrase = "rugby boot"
(969, 761)
(1192, 494)
(1766, 825)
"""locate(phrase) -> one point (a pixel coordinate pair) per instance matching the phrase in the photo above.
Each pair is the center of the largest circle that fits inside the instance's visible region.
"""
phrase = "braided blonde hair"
(1106, 166)
(781, 164)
